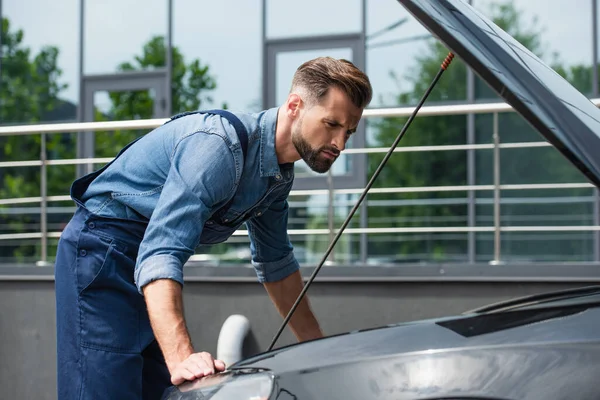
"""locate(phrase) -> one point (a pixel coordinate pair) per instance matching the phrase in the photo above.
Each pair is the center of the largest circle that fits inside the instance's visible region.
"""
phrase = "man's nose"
(339, 141)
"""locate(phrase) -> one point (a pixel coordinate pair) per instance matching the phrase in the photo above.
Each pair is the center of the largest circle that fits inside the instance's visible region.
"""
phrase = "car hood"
(564, 116)
(572, 324)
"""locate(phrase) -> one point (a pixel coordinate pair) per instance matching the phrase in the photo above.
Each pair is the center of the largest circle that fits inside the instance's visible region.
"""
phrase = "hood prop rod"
(444, 65)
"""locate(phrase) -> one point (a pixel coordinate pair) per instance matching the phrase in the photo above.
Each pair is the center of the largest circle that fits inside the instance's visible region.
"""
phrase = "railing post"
(497, 223)
(43, 203)
(330, 212)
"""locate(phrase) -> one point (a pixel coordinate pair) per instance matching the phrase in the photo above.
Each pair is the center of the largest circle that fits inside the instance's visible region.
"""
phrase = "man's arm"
(165, 309)
(284, 293)
(202, 175)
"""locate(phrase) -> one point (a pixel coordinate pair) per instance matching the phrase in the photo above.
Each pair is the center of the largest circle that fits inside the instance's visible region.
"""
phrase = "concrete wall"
(27, 316)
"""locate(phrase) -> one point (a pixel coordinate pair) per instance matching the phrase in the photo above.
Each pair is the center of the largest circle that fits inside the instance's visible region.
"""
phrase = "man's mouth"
(330, 154)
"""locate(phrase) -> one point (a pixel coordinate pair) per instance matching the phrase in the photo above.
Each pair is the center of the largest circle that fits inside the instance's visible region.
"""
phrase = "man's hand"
(284, 293)
(165, 309)
(196, 366)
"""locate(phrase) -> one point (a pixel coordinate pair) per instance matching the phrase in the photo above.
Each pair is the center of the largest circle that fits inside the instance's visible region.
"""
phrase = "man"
(121, 332)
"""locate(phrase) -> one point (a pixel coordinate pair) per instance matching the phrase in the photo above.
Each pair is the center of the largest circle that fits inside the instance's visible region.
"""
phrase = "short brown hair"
(318, 75)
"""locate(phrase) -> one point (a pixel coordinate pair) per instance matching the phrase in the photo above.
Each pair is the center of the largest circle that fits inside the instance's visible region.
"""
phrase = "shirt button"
(82, 252)
(258, 213)
(92, 225)
(278, 177)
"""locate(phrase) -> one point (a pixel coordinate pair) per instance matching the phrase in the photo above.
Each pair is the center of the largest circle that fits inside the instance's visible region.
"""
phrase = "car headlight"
(243, 385)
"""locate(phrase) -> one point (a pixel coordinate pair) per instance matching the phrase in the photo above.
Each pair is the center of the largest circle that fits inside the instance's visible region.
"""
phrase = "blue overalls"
(105, 345)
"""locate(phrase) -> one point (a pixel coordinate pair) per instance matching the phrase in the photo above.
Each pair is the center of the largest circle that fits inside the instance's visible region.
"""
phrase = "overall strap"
(240, 129)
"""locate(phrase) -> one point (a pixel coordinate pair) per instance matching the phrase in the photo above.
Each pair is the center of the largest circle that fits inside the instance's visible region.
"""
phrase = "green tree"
(191, 88)
(29, 92)
(438, 168)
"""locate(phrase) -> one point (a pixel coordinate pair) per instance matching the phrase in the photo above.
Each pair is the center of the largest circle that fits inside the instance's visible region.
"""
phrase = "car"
(538, 347)
(545, 346)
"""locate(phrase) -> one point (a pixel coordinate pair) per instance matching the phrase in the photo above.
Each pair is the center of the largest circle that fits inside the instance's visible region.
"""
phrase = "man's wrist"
(181, 353)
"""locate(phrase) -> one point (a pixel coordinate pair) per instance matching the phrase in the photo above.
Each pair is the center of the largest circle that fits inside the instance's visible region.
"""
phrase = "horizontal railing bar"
(15, 164)
(80, 126)
(410, 149)
(419, 229)
(455, 109)
(444, 188)
(67, 161)
(414, 149)
(547, 186)
(370, 150)
(78, 161)
(523, 145)
(25, 200)
(421, 189)
(31, 235)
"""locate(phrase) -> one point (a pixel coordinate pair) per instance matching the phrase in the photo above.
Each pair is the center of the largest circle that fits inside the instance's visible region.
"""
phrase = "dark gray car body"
(540, 349)
(547, 353)
(546, 347)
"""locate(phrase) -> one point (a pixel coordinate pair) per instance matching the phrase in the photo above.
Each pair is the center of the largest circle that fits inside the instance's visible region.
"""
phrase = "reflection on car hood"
(578, 323)
(564, 116)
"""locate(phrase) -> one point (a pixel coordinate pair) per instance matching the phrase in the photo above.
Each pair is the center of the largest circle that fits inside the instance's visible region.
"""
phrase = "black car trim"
(536, 299)
(491, 323)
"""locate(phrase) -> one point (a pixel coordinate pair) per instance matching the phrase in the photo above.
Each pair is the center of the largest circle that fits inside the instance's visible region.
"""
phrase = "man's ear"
(294, 104)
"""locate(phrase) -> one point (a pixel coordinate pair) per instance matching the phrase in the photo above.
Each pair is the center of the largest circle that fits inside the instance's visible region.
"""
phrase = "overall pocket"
(109, 303)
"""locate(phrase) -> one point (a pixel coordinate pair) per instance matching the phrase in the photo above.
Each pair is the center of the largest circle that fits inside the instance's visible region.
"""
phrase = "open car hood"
(564, 116)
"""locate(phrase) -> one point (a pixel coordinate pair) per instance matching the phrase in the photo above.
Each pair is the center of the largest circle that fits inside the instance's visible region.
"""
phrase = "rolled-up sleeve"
(201, 177)
(272, 252)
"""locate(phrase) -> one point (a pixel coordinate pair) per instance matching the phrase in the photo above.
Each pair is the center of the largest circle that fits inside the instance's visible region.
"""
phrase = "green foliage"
(449, 168)
(191, 87)
(29, 90)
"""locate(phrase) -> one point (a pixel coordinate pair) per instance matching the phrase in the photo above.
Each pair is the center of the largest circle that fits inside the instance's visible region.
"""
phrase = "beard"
(314, 158)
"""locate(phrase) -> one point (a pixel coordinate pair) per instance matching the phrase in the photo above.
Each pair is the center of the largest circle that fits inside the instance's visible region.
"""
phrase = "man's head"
(326, 102)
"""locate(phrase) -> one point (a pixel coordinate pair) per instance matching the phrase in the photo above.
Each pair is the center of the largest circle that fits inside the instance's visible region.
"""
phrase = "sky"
(226, 34)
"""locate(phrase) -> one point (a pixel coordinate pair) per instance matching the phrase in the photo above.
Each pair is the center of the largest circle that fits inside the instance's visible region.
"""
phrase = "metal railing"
(496, 187)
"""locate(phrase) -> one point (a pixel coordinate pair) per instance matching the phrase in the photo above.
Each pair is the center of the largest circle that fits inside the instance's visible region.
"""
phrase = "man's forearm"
(284, 293)
(165, 309)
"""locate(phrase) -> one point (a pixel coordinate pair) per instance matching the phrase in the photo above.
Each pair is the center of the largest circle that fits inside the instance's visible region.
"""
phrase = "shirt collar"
(268, 156)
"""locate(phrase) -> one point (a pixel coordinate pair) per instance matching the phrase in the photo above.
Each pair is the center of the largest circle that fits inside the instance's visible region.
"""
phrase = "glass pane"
(417, 210)
(60, 178)
(424, 168)
(528, 247)
(403, 57)
(40, 70)
(543, 208)
(235, 251)
(312, 212)
(121, 105)
(424, 131)
(19, 219)
(417, 248)
(17, 182)
(537, 165)
(318, 17)
(512, 128)
(224, 38)
(286, 65)
(539, 26)
(107, 49)
(484, 168)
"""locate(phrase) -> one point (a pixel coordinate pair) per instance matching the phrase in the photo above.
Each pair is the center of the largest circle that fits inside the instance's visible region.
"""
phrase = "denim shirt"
(178, 176)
